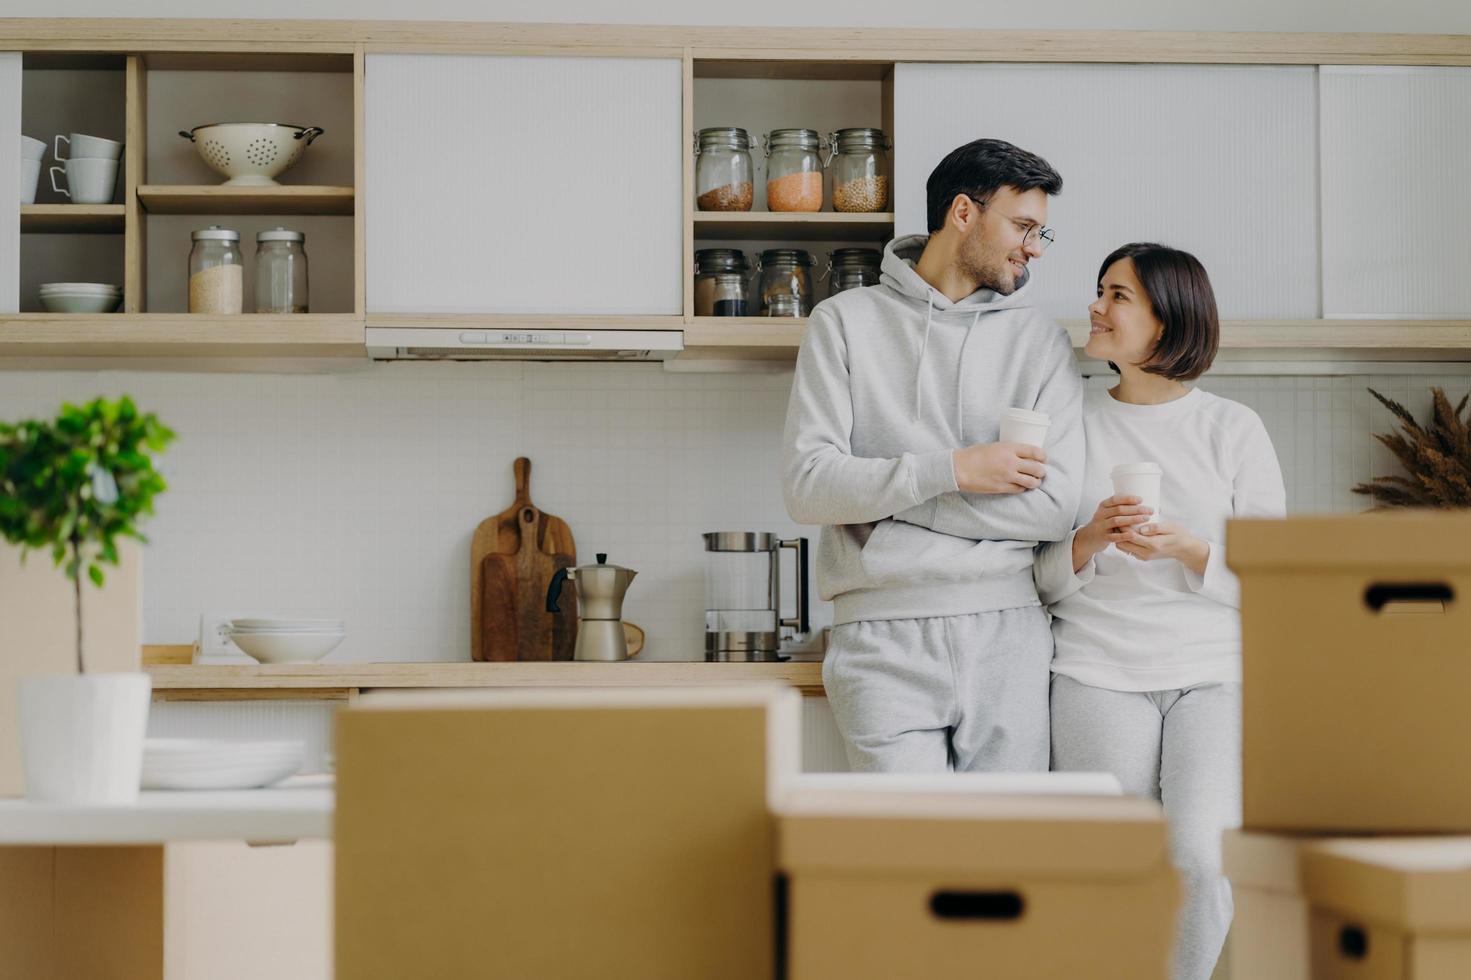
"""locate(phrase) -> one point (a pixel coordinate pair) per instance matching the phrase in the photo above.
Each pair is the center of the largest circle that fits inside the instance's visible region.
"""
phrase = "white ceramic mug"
(30, 176)
(88, 181)
(1140, 480)
(84, 147)
(32, 149)
(1025, 426)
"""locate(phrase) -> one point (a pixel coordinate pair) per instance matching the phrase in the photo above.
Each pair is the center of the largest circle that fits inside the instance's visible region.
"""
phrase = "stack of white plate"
(279, 641)
(212, 763)
(80, 297)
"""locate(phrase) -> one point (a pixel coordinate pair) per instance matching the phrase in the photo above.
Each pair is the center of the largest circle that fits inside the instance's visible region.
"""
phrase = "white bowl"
(79, 302)
(251, 154)
(206, 763)
(79, 287)
(284, 648)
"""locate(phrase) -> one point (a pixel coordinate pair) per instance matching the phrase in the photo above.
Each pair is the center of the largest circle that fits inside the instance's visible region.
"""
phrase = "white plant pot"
(82, 736)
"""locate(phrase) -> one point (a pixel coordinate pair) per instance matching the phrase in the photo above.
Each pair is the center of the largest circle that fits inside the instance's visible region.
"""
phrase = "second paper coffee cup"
(1140, 480)
(1025, 426)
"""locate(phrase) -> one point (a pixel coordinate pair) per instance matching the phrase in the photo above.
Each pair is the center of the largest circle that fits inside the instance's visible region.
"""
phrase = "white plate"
(218, 763)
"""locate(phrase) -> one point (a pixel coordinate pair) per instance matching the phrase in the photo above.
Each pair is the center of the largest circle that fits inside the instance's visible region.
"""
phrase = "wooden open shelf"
(174, 335)
(794, 226)
(78, 219)
(218, 199)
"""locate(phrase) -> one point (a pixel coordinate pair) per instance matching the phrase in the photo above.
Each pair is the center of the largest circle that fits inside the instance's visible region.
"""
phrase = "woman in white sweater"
(1146, 674)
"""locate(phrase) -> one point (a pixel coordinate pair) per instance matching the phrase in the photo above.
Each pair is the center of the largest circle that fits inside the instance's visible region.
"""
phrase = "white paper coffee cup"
(1025, 426)
(1140, 480)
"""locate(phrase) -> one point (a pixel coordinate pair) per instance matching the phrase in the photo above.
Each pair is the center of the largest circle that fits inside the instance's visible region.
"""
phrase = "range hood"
(460, 344)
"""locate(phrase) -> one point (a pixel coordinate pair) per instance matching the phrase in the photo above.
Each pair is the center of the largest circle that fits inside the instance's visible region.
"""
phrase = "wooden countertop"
(344, 680)
(298, 809)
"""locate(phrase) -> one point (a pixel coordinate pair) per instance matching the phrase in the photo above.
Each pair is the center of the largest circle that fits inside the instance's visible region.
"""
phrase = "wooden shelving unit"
(814, 226)
(78, 219)
(180, 335)
(282, 199)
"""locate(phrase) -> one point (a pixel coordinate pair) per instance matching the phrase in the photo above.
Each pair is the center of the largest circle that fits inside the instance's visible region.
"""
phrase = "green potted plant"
(72, 486)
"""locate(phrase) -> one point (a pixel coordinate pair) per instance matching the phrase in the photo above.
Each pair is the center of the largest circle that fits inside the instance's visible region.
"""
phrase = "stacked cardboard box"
(1356, 644)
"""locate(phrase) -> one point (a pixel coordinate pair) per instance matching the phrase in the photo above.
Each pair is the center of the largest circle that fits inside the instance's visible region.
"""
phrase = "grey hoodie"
(891, 379)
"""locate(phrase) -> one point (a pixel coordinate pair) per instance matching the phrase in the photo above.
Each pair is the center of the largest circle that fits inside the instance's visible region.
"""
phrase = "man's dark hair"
(1182, 300)
(979, 169)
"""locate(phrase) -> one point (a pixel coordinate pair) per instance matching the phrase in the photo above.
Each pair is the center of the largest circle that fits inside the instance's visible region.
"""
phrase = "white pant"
(1182, 748)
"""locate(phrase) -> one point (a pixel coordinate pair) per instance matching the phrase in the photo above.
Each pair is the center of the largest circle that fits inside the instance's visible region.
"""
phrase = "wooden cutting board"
(513, 557)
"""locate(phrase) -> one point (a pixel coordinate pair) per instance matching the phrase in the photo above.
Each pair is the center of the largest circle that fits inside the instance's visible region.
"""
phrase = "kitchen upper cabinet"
(1217, 160)
(524, 185)
(1396, 151)
(10, 164)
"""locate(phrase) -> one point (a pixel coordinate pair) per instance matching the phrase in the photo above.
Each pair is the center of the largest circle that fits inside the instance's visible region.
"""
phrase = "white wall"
(1404, 16)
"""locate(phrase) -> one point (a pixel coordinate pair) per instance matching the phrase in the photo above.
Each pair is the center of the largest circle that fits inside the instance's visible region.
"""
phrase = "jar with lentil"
(723, 169)
(721, 278)
(851, 268)
(786, 272)
(793, 170)
(216, 277)
(860, 165)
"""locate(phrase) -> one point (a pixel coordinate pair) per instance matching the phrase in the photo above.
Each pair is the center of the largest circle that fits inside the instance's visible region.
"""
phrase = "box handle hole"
(1381, 594)
(985, 906)
(1353, 942)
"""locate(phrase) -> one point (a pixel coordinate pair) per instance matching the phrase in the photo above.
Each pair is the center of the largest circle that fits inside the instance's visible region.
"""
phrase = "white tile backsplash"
(355, 495)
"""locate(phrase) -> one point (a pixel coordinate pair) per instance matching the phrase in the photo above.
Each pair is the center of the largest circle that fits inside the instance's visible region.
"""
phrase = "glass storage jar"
(783, 305)
(793, 170)
(721, 278)
(786, 272)
(280, 271)
(216, 278)
(860, 165)
(850, 268)
(723, 169)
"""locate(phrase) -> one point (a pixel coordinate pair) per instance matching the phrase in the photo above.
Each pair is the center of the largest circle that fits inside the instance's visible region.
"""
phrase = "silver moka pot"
(600, 591)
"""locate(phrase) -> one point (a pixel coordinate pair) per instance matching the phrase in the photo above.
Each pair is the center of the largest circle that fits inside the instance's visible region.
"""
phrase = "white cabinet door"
(10, 82)
(523, 184)
(1396, 149)
(1217, 160)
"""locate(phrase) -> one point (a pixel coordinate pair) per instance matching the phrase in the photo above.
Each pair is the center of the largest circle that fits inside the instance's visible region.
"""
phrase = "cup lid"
(1027, 415)
(1137, 469)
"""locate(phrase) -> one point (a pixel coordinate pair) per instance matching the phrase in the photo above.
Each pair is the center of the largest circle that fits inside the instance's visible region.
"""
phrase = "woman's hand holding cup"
(1161, 539)
(1112, 523)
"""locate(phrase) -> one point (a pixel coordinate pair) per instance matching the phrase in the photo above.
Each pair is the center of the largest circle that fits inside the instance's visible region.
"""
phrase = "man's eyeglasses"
(1032, 234)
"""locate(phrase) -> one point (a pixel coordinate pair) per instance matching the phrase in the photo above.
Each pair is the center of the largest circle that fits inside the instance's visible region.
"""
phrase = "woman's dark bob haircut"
(1182, 300)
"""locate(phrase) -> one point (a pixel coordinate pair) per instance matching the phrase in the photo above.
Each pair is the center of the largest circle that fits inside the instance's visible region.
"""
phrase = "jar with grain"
(723, 170)
(786, 272)
(793, 170)
(216, 278)
(851, 268)
(860, 165)
(280, 271)
(721, 279)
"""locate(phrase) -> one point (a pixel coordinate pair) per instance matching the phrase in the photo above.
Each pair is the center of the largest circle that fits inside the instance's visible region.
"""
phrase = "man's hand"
(999, 467)
(1150, 542)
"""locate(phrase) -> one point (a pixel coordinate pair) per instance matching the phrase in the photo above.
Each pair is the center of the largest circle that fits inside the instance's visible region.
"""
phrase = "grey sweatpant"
(967, 693)
(1182, 748)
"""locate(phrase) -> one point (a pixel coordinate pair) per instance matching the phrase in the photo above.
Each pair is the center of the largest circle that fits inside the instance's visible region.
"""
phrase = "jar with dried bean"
(860, 165)
(793, 170)
(786, 272)
(723, 170)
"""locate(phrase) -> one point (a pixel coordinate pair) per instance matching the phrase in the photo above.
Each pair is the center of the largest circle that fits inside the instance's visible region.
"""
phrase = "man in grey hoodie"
(940, 648)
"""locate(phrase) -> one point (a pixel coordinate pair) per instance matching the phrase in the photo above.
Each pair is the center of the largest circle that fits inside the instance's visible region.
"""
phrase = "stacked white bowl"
(32, 151)
(80, 297)
(280, 641)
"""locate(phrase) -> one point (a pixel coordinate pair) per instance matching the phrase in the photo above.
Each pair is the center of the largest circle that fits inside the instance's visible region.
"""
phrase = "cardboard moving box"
(1356, 664)
(561, 834)
(1350, 909)
(899, 885)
